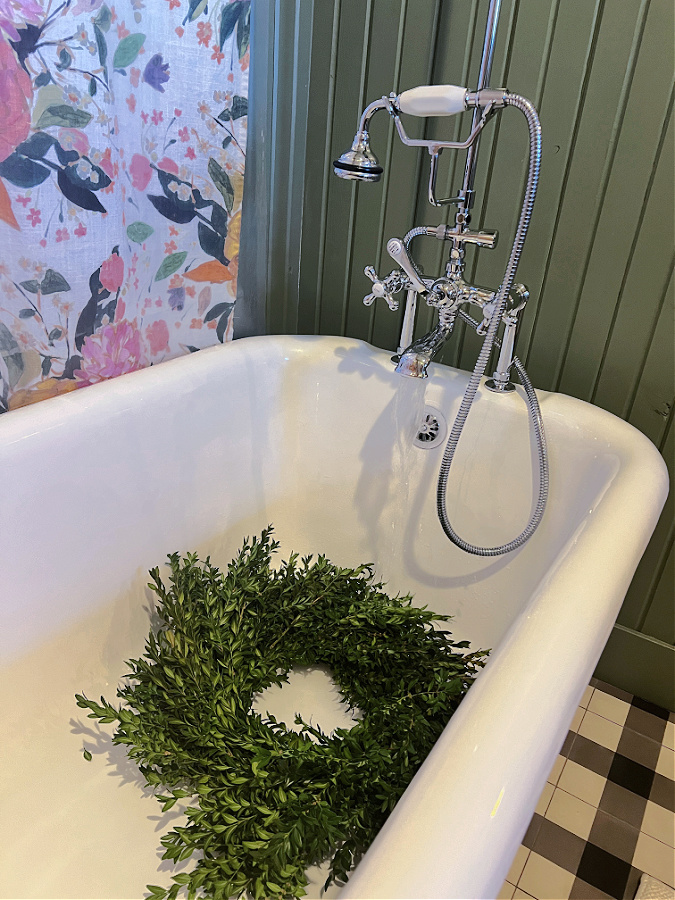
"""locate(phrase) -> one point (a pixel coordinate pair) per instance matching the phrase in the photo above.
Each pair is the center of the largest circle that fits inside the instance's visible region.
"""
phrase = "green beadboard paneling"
(599, 256)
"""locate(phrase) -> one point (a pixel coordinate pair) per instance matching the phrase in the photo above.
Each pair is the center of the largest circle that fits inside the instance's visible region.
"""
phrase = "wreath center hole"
(311, 693)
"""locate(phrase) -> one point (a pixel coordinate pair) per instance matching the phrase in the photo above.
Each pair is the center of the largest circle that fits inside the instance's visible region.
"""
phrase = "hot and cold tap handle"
(433, 100)
(396, 249)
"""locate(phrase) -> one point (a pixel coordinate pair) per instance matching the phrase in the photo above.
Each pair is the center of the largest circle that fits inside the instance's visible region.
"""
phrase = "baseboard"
(639, 664)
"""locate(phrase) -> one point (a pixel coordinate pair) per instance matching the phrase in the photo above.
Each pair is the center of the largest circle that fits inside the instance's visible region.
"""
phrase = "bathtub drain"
(432, 429)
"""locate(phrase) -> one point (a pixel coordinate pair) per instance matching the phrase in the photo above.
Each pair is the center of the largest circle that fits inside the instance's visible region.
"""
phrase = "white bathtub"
(99, 485)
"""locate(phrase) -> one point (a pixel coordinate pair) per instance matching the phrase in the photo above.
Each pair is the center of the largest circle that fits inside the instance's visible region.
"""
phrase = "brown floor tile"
(633, 884)
(591, 755)
(623, 804)
(611, 834)
(645, 723)
(583, 891)
(559, 846)
(532, 831)
(663, 792)
(567, 743)
(639, 748)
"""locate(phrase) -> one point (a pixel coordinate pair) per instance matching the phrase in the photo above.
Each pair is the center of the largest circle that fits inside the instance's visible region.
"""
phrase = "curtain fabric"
(122, 151)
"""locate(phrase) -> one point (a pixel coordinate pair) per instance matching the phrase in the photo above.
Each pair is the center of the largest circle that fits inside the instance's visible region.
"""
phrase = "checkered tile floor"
(607, 813)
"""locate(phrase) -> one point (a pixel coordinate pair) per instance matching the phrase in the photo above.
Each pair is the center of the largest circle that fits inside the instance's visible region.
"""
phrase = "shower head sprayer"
(359, 163)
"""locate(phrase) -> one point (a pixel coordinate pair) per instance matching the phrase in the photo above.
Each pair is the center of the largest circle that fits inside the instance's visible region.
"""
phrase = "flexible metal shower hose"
(534, 127)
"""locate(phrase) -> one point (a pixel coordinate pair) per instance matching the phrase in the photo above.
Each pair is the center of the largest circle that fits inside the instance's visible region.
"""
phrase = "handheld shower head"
(359, 163)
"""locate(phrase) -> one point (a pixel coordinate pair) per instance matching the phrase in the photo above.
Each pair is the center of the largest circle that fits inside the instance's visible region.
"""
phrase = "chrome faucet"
(450, 292)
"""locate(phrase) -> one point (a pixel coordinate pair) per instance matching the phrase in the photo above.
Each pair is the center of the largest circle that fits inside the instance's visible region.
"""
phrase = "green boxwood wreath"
(268, 802)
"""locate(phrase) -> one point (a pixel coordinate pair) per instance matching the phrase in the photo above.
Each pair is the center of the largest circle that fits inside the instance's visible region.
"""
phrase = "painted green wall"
(599, 257)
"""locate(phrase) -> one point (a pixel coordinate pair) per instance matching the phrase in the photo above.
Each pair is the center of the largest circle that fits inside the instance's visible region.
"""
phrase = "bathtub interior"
(196, 468)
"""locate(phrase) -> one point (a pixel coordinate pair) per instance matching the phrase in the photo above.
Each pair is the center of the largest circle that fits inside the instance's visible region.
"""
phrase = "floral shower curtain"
(122, 149)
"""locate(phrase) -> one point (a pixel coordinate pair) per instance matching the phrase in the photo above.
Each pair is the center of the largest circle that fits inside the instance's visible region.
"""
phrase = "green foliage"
(267, 802)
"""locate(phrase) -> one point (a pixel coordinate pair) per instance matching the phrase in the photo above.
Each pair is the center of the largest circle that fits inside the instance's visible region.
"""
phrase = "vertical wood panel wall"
(599, 256)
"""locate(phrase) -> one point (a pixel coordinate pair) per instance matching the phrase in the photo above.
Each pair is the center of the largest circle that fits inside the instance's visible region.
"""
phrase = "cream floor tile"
(578, 716)
(582, 783)
(655, 858)
(659, 823)
(544, 880)
(602, 731)
(545, 798)
(666, 763)
(521, 895)
(609, 707)
(669, 736)
(556, 770)
(506, 892)
(571, 813)
(518, 864)
(586, 699)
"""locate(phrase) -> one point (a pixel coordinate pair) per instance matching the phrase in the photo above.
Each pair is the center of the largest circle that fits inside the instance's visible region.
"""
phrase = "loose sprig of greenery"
(268, 802)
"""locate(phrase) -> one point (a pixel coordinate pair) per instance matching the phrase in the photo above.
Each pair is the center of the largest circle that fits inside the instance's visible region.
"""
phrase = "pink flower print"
(144, 116)
(74, 139)
(168, 165)
(13, 11)
(184, 134)
(196, 323)
(112, 273)
(62, 235)
(190, 153)
(217, 54)
(178, 113)
(140, 171)
(157, 335)
(134, 75)
(80, 231)
(204, 33)
(85, 6)
(171, 247)
(122, 31)
(157, 116)
(16, 98)
(120, 310)
(131, 102)
(24, 201)
(173, 4)
(105, 162)
(34, 217)
(115, 350)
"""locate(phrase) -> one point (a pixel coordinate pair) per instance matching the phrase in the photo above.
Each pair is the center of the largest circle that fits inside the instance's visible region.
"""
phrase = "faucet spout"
(414, 360)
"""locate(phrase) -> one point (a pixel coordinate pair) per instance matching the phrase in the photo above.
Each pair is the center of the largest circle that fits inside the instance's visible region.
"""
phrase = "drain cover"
(432, 429)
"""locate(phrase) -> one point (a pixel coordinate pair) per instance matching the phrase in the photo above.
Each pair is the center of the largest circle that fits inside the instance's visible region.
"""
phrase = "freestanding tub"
(307, 433)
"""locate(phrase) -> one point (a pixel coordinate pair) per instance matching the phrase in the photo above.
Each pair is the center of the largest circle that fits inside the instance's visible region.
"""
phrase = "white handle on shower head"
(433, 100)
